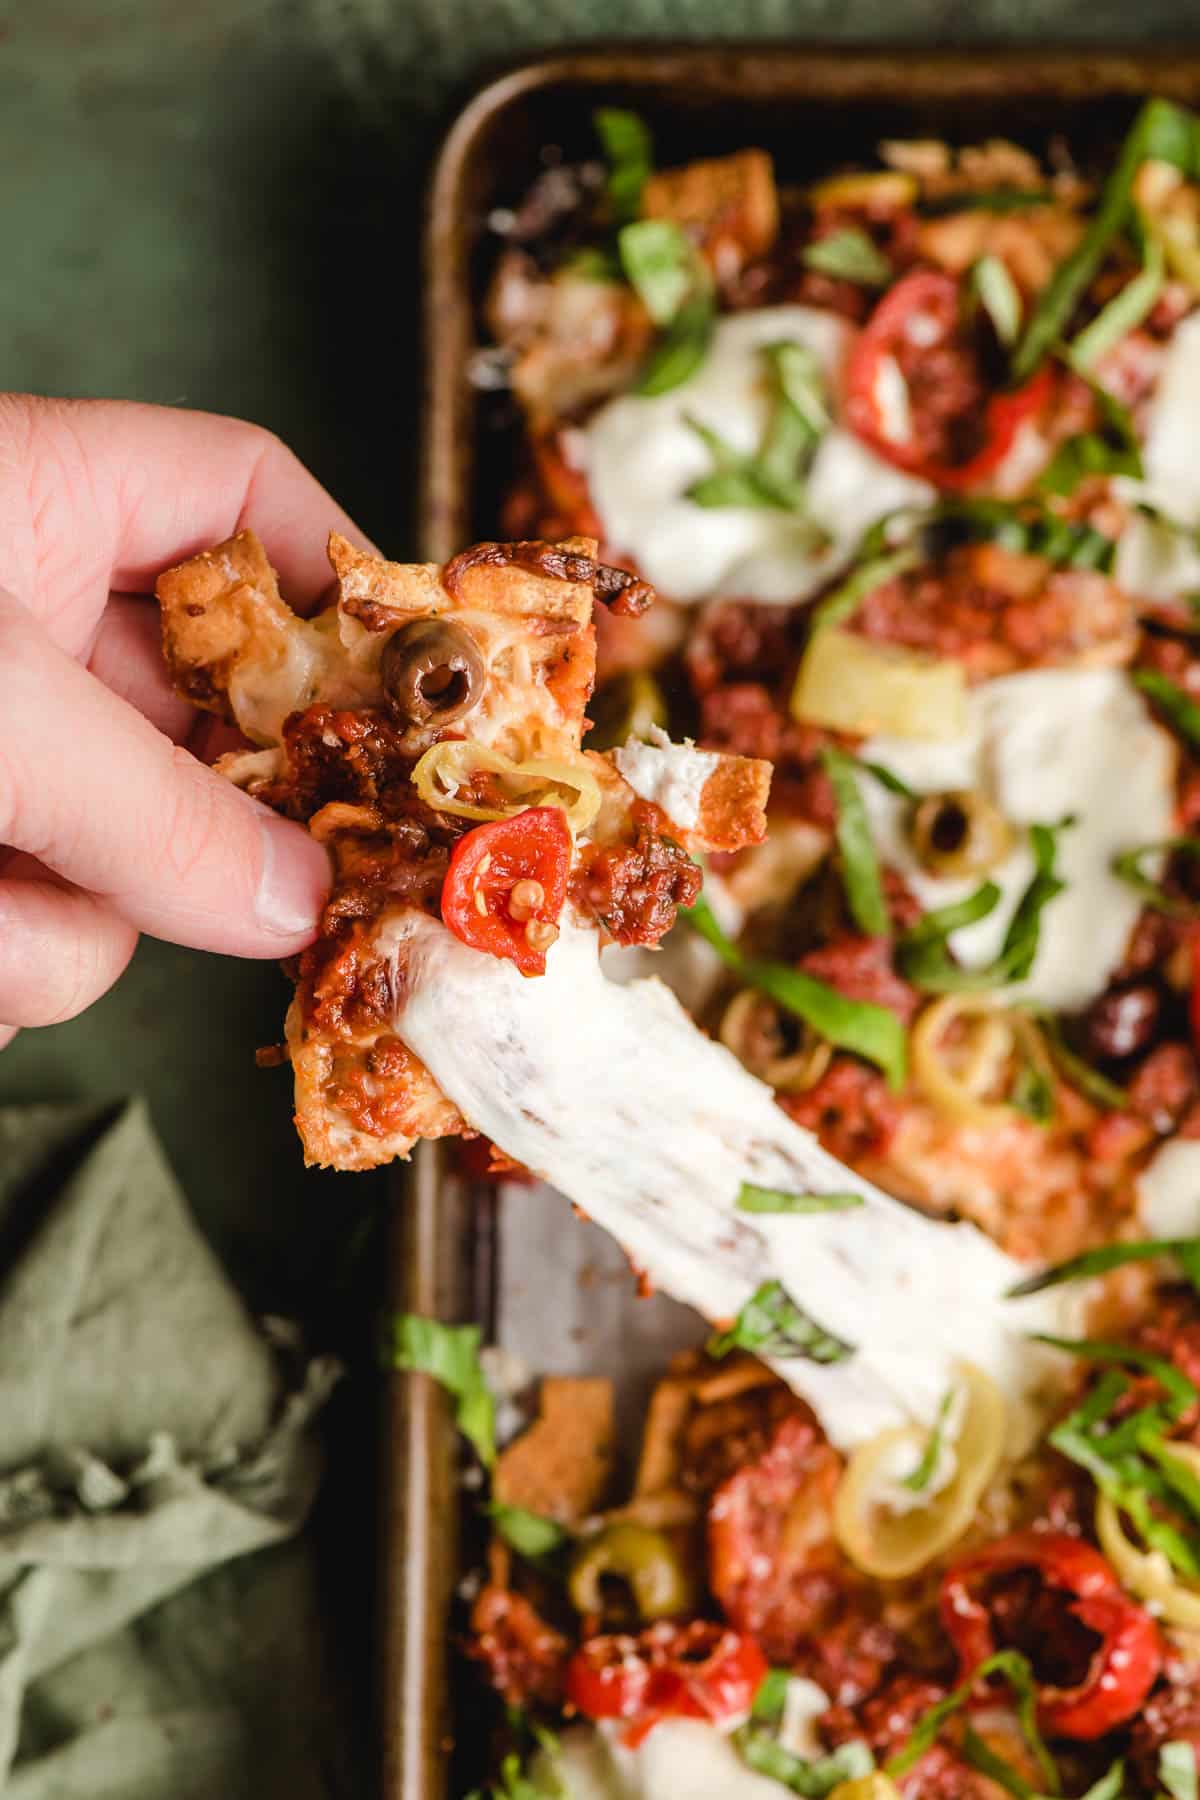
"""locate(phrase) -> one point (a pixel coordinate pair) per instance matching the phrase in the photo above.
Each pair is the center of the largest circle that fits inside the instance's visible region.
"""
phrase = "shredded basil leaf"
(1128, 868)
(676, 289)
(450, 1353)
(1016, 1670)
(1081, 1075)
(771, 1697)
(995, 200)
(1033, 1093)
(860, 865)
(629, 152)
(529, 1533)
(1023, 526)
(754, 1199)
(1106, 1257)
(846, 599)
(763, 1753)
(884, 777)
(1113, 449)
(923, 1474)
(592, 263)
(1180, 709)
(1177, 1770)
(849, 255)
(859, 1025)
(999, 296)
(772, 1324)
(1122, 314)
(774, 475)
(1115, 1453)
(1161, 131)
(980, 1755)
(924, 955)
(1111, 1785)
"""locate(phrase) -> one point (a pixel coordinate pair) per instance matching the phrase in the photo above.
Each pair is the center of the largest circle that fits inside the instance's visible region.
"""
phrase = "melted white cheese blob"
(1169, 1190)
(614, 1096)
(640, 457)
(1044, 745)
(1153, 561)
(680, 1757)
(673, 776)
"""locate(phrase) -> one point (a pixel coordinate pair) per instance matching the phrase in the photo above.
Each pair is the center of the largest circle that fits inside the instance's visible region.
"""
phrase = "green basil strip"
(935, 927)
(676, 289)
(1181, 1393)
(450, 1353)
(1122, 314)
(868, 1030)
(999, 296)
(860, 865)
(1016, 1670)
(682, 348)
(1111, 1785)
(1113, 449)
(528, 1533)
(772, 1324)
(1024, 526)
(754, 1199)
(989, 1762)
(1181, 1480)
(1128, 868)
(660, 260)
(848, 255)
(771, 1698)
(995, 200)
(774, 475)
(846, 599)
(1090, 1082)
(1033, 1093)
(763, 1753)
(1177, 1770)
(1180, 709)
(629, 152)
(1099, 1261)
(884, 777)
(923, 1474)
(1162, 131)
(925, 958)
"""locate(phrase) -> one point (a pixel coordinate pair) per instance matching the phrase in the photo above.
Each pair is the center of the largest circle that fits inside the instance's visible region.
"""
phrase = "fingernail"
(294, 880)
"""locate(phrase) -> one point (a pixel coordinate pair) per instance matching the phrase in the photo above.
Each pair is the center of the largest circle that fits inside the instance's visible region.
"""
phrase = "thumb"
(89, 787)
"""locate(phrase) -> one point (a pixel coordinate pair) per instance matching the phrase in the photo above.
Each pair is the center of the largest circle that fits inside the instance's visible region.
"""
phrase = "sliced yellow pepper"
(890, 1543)
(451, 765)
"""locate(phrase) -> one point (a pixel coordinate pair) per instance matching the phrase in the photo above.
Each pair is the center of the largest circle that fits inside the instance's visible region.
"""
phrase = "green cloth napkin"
(150, 1435)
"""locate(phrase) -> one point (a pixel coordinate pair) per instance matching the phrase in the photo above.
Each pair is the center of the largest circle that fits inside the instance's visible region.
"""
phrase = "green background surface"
(215, 203)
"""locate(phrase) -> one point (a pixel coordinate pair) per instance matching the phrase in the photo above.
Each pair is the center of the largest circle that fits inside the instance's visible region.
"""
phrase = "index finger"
(97, 495)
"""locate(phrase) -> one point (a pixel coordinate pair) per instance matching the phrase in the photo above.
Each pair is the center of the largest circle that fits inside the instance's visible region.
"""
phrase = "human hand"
(109, 823)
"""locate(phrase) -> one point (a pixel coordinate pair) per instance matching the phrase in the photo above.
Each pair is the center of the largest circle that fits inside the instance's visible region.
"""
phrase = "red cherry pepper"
(506, 886)
(931, 297)
(1124, 1666)
(701, 1670)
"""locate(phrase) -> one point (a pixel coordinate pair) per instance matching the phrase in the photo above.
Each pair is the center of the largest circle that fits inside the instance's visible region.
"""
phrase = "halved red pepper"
(920, 317)
(1125, 1663)
(507, 884)
(700, 1670)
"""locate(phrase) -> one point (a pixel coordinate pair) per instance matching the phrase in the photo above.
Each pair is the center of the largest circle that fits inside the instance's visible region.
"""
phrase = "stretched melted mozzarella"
(1152, 560)
(640, 457)
(613, 1096)
(1169, 1190)
(1046, 745)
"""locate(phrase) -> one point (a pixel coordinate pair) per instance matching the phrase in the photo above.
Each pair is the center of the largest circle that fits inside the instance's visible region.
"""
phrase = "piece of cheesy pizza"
(427, 728)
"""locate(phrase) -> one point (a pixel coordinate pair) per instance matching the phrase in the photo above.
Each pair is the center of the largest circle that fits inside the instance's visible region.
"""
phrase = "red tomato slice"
(916, 329)
(701, 1670)
(506, 885)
